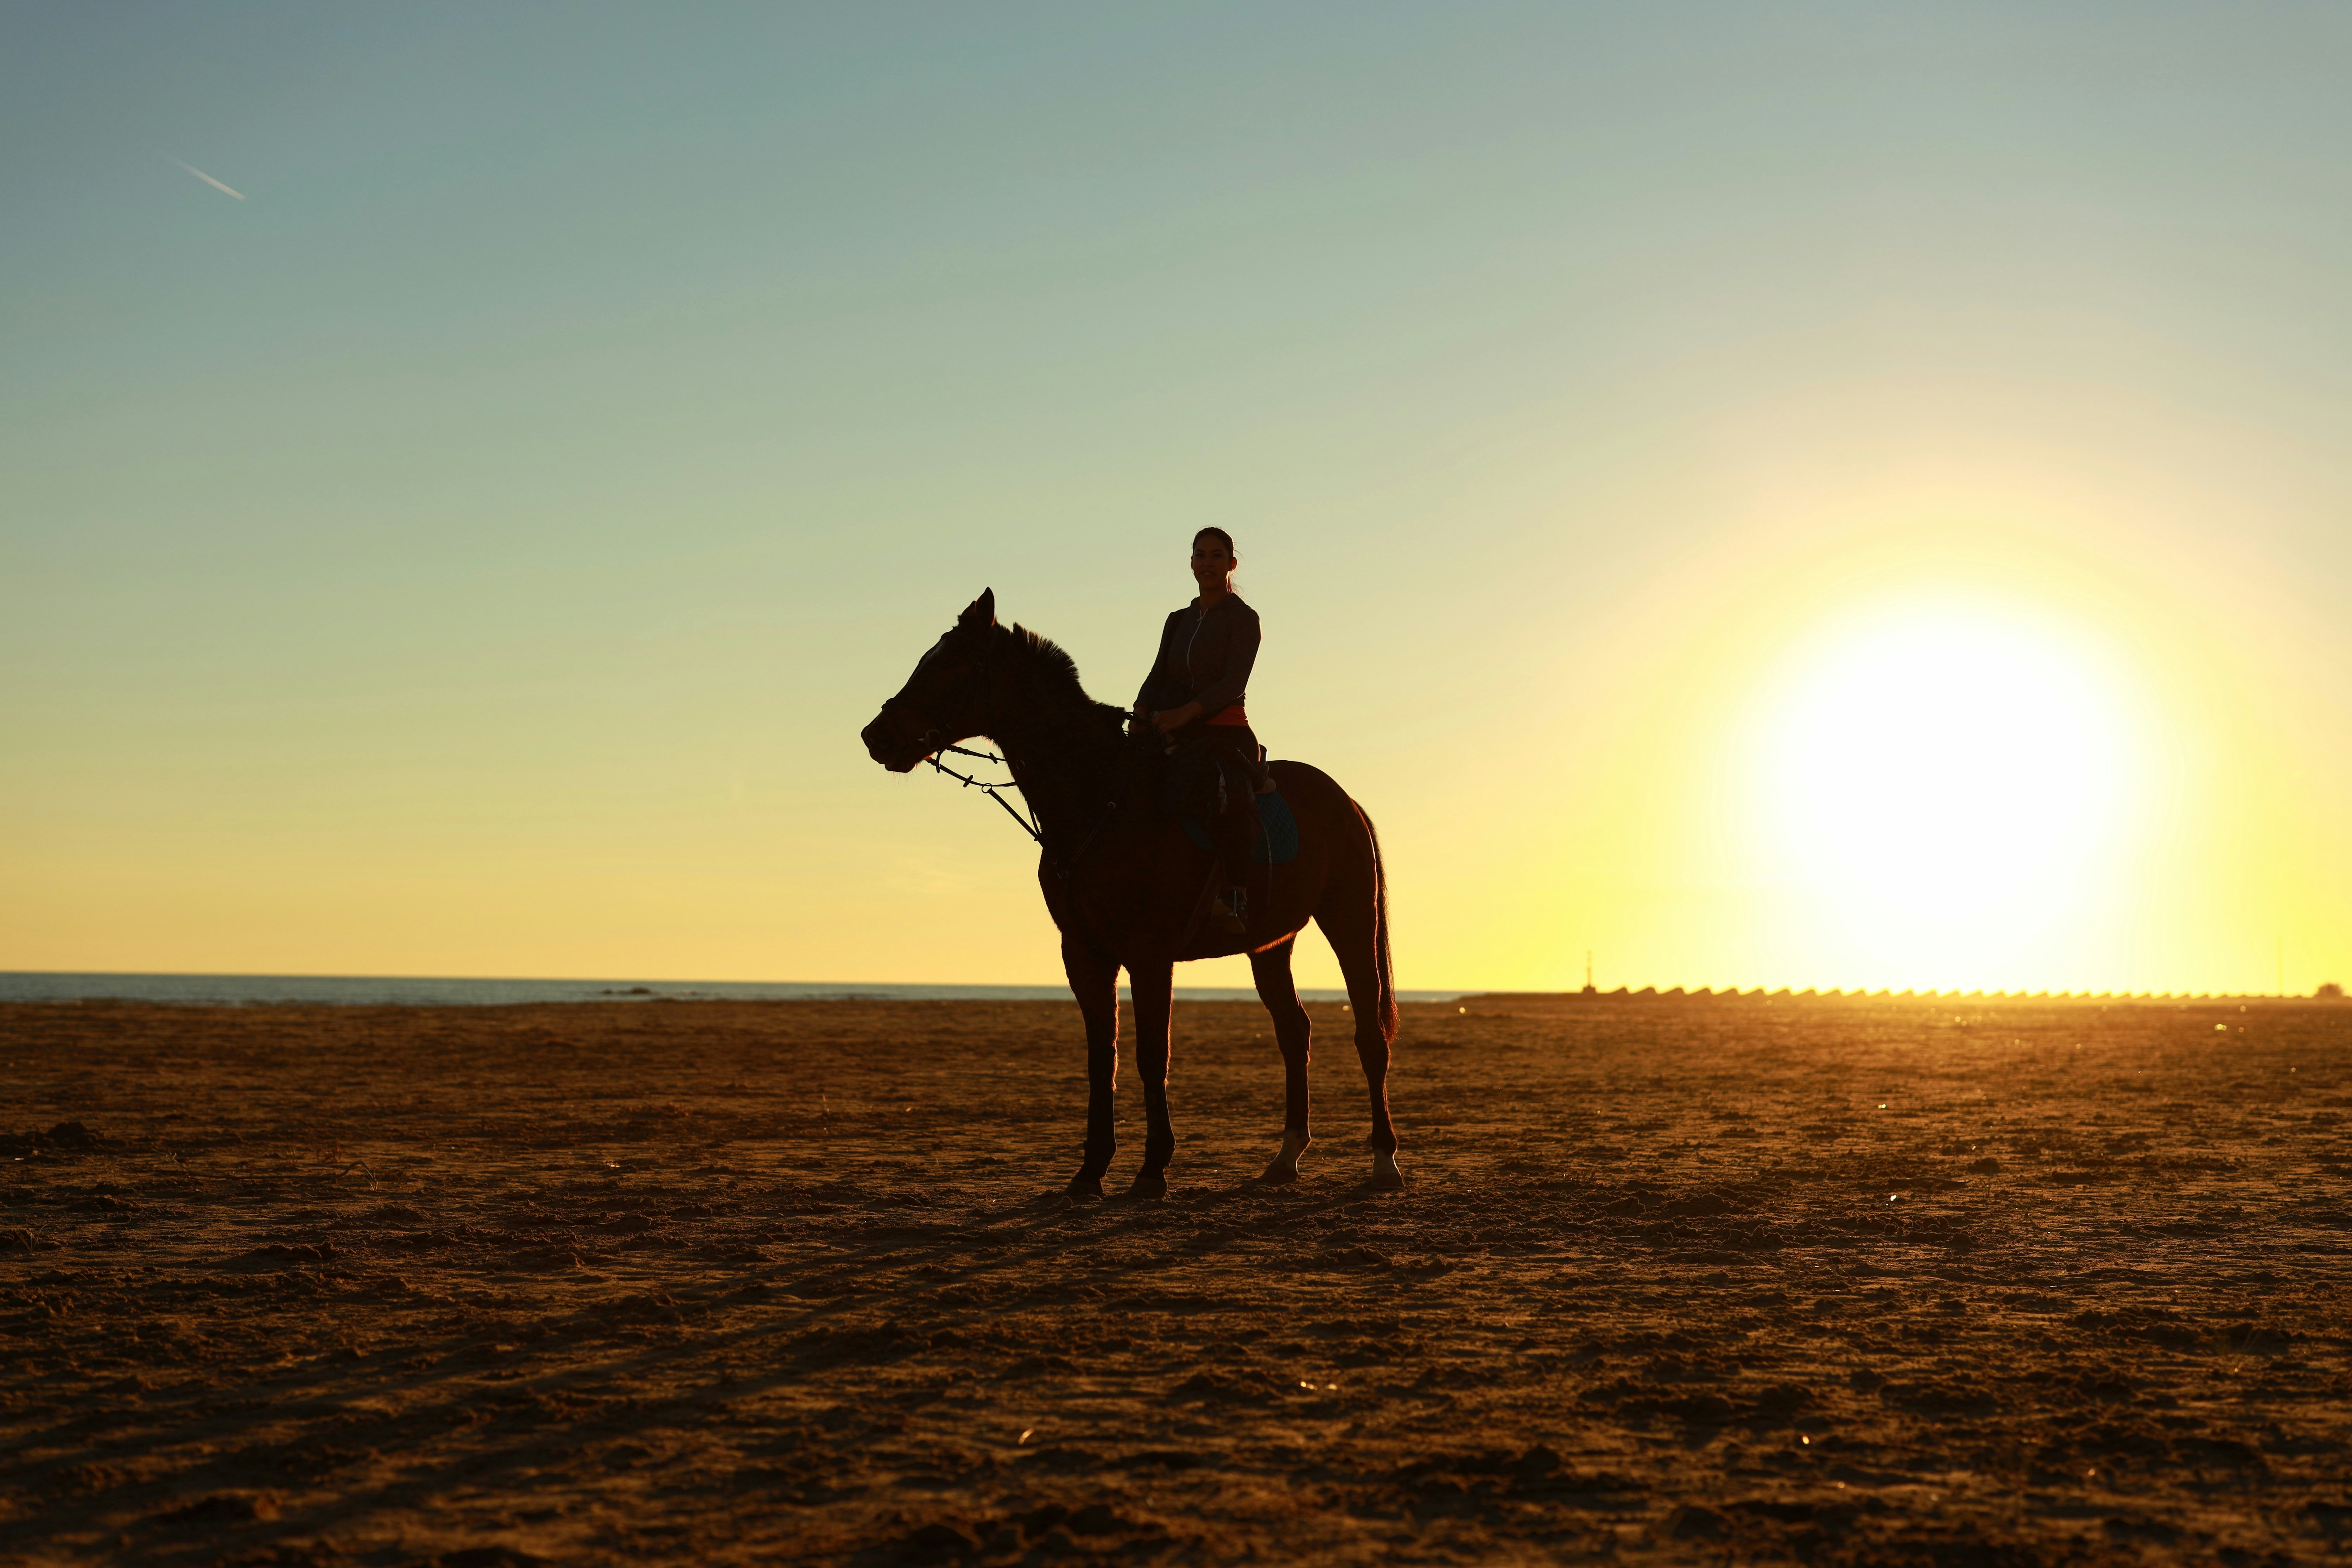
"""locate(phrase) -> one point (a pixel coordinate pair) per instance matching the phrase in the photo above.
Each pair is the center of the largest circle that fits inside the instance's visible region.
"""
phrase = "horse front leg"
(1153, 986)
(1094, 981)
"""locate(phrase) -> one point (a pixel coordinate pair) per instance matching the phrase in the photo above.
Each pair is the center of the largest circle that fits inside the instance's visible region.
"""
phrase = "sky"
(1811, 495)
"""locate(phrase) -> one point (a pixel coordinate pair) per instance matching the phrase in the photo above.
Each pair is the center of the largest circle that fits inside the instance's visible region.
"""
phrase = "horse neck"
(1062, 753)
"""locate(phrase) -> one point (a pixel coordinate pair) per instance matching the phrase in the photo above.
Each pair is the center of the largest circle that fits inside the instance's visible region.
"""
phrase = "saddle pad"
(1281, 834)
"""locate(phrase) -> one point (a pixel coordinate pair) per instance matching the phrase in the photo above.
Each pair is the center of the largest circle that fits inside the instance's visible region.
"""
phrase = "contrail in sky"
(207, 179)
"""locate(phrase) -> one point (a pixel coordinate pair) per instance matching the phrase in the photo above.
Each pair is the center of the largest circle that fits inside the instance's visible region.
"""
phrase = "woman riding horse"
(1122, 881)
(1196, 691)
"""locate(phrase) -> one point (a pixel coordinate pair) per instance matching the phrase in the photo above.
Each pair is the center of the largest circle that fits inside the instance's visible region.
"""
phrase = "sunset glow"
(1955, 781)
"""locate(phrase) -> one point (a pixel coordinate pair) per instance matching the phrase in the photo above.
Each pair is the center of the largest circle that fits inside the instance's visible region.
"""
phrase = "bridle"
(976, 682)
(994, 789)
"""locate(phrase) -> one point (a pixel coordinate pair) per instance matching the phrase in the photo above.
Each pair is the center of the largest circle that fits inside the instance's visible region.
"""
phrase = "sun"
(1954, 778)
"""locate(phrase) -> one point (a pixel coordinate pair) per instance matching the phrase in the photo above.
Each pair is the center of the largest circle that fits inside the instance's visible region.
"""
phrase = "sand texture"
(1675, 1282)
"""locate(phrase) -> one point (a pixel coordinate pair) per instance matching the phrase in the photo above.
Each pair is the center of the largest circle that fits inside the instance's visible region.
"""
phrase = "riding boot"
(1228, 911)
(1237, 833)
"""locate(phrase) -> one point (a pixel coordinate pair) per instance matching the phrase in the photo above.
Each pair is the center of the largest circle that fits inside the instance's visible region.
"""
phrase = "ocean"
(421, 991)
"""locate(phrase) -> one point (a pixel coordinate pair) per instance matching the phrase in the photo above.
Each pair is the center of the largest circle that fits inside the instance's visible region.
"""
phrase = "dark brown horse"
(1124, 884)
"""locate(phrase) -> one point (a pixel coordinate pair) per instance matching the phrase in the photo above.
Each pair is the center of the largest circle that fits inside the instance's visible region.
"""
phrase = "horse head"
(945, 700)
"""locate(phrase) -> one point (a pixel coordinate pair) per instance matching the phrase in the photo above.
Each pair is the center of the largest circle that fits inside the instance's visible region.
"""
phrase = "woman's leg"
(1235, 746)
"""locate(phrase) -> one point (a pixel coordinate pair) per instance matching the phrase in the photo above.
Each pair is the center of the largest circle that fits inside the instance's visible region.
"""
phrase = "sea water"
(419, 991)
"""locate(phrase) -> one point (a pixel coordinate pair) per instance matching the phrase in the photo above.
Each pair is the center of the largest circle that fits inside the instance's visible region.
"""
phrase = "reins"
(1028, 825)
(993, 791)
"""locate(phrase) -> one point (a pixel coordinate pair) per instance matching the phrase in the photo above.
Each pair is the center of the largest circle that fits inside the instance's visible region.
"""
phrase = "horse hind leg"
(1354, 931)
(1294, 1034)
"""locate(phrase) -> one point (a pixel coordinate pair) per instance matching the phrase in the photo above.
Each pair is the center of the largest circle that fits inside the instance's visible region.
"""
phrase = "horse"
(1126, 885)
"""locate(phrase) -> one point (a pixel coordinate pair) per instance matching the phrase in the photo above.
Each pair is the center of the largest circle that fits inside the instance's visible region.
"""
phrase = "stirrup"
(1232, 919)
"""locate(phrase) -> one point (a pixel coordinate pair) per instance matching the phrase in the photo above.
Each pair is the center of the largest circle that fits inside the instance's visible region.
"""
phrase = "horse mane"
(1056, 672)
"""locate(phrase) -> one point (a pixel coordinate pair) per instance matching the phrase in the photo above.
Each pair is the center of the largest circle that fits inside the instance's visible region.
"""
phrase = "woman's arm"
(1177, 718)
(1240, 635)
(1167, 679)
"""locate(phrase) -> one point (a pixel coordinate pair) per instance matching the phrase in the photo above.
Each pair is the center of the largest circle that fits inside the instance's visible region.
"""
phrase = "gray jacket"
(1202, 659)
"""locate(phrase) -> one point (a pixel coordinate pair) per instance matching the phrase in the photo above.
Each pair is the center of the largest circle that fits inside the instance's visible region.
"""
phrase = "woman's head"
(1214, 560)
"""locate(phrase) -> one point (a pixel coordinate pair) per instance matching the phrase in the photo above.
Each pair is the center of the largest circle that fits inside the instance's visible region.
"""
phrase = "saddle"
(1216, 797)
(1227, 806)
(1277, 842)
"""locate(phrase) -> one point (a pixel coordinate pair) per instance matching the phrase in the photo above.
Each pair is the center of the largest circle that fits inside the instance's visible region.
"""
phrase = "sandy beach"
(1911, 1281)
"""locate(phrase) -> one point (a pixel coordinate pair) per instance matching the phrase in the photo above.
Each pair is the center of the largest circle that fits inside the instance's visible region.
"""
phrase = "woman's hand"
(1169, 718)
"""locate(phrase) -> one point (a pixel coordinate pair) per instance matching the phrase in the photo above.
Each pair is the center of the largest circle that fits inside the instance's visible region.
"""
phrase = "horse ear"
(981, 611)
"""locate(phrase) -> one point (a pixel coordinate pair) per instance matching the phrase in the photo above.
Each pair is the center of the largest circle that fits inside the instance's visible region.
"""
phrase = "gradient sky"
(474, 551)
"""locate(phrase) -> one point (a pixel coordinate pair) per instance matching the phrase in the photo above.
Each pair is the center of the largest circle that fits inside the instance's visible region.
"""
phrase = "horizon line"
(1625, 992)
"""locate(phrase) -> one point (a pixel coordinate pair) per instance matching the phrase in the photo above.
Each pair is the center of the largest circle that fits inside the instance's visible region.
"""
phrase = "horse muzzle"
(891, 740)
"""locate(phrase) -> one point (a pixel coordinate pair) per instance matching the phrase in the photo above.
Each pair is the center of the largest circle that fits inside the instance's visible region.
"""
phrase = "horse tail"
(1387, 1003)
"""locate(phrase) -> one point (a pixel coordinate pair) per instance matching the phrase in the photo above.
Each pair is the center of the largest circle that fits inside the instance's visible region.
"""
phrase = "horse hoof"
(1284, 1168)
(1386, 1177)
(1082, 1190)
(1148, 1187)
